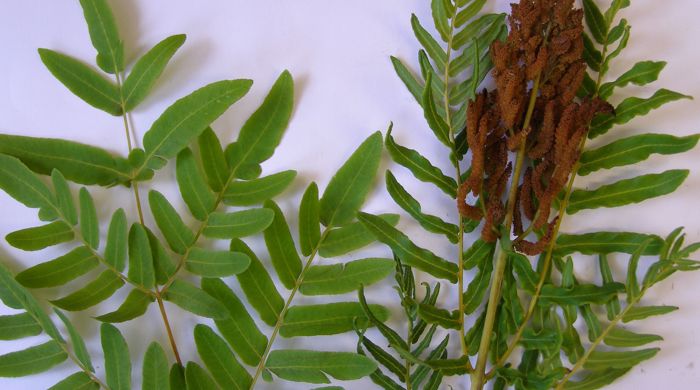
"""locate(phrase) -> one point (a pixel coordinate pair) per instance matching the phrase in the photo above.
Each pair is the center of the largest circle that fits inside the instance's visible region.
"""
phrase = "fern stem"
(287, 304)
(460, 243)
(135, 186)
(408, 362)
(127, 132)
(168, 329)
(547, 263)
(499, 269)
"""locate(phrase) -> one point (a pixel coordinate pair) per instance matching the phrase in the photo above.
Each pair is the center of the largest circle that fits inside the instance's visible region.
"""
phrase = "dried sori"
(533, 112)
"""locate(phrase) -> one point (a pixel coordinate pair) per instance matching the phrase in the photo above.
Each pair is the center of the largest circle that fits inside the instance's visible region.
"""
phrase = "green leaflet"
(89, 225)
(104, 35)
(80, 163)
(280, 245)
(328, 319)
(442, 317)
(395, 340)
(476, 290)
(595, 21)
(631, 150)
(77, 381)
(435, 51)
(474, 28)
(407, 202)
(134, 306)
(257, 191)
(263, 131)
(64, 197)
(623, 30)
(219, 359)
(60, 270)
(435, 122)
(17, 297)
(163, 264)
(592, 56)
(77, 341)
(606, 242)
(194, 300)
(468, 12)
(238, 223)
(407, 251)
(148, 69)
(441, 15)
(117, 239)
(492, 29)
(211, 263)
(187, 118)
(193, 187)
(547, 339)
(141, 269)
(421, 168)
(17, 326)
(117, 361)
(178, 235)
(84, 82)
(631, 108)
(309, 220)
(641, 312)
(619, 337)
(92, 293)
(155, 369)
(596, 379)
(642, 73)
(197, 378)
(383, 357)
(258, 286)
(314, 367)
(40, 237)
(613, 307)
(23, 185)
(599, 360)
(527, 277)
(177, 377)
(627, 191)
(351, 237)
(32, 360)
(614, 8)
(479, 252)
(631, 284)
(579, 294)
(412, 84)
(238, 329)
(347, 190)
(345, 277)
(214, 162)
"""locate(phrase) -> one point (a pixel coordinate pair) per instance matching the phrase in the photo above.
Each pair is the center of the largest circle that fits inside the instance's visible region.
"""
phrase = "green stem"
(287, 304)
(460, 244)
(499, 269)
(135, 186)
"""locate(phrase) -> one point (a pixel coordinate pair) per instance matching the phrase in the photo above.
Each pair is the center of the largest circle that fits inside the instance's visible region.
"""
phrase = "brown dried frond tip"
(541, 59)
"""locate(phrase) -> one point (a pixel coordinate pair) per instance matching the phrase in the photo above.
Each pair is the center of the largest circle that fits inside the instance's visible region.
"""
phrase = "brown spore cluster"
(534, 110)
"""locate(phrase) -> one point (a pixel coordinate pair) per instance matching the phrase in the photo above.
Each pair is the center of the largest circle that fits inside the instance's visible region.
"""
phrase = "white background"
(338, 52)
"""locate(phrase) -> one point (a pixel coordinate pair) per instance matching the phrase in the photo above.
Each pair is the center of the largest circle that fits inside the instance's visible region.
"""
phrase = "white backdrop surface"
(338, 53)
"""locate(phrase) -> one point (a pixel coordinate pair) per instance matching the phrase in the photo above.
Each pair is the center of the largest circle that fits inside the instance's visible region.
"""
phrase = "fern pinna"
(152, 263)
(527, 144)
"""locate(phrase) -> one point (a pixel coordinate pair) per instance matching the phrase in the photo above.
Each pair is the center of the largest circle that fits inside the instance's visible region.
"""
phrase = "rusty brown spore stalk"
(540, 59)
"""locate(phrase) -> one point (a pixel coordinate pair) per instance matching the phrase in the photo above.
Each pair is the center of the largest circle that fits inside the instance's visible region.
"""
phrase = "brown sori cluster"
(543, 51)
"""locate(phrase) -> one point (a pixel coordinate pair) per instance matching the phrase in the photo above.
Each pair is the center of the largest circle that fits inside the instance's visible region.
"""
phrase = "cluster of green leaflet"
(535, 314)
